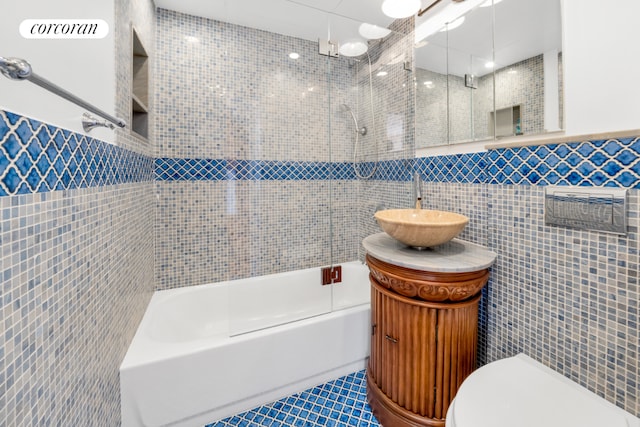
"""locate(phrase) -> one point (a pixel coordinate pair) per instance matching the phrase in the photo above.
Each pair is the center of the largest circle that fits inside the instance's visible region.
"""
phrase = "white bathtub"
(192, 360)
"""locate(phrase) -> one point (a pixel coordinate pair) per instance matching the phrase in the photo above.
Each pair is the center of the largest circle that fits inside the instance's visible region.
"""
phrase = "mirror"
(470, 82)
(431, 113)
(459, 60)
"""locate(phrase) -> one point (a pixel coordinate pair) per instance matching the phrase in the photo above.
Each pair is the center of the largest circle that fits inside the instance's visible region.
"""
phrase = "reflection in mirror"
(470, 80)
(455, 71)
(454, 88)
(431, 121)
(528, 56)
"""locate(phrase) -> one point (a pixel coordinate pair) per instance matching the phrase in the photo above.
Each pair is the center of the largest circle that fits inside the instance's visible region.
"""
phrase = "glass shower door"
(283, 181)
(303, 162)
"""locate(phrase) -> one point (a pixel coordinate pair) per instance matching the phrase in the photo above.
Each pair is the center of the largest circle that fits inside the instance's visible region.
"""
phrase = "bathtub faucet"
(417, 191)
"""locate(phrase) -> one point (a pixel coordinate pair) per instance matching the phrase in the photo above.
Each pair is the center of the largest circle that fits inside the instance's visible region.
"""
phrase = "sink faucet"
(418, 193)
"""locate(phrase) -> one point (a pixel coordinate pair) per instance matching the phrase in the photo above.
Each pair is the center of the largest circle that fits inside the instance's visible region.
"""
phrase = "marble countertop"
(456, 256)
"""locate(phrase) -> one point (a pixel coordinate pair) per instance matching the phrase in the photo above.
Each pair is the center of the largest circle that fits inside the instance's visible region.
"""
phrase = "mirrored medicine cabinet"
(490, 72)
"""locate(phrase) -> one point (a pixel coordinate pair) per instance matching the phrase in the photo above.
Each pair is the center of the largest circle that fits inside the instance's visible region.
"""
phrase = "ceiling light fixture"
(294, 55)
(373, 32)
(490, 64)
(400, 8)
(353, 48)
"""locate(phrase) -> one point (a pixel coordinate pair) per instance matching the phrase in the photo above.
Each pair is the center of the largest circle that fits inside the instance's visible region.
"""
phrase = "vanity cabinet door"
(420, 354)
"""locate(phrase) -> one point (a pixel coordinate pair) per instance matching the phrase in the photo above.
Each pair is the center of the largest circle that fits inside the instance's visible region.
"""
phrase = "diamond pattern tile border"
(459, 168)
(601, 163)
(168, 169)
(36, 157)
(255, 170)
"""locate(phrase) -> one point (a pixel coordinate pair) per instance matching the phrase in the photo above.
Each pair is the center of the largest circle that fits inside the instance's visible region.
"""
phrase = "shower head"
(361, 130)
(345, 108)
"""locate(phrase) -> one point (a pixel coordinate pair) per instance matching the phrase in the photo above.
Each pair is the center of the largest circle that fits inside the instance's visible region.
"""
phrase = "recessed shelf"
(138, 106)
(508, 121)
(139, 88)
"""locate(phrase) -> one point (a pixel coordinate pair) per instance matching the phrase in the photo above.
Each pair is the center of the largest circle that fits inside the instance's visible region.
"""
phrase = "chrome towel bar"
(19, 69)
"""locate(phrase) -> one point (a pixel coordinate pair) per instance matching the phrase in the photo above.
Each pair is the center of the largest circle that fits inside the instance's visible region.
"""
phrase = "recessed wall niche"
(139, 88)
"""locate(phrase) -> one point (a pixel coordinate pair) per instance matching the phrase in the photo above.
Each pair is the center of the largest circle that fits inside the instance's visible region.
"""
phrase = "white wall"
(601, 57)
(83, 67)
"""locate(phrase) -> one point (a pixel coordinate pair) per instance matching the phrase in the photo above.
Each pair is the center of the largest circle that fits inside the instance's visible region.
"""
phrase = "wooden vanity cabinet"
(423, 341)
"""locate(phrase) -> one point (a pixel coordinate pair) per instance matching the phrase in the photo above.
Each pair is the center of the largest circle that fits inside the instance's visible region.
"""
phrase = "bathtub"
(206, 352)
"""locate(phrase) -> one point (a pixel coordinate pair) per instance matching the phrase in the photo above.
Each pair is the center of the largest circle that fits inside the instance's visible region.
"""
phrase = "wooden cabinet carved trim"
(421, 351)
(426, 285)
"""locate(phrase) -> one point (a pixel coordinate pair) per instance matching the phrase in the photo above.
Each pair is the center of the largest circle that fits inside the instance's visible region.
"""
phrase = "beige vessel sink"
(421, 228)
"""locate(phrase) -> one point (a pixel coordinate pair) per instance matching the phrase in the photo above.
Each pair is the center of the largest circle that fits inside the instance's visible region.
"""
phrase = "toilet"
(520, 392)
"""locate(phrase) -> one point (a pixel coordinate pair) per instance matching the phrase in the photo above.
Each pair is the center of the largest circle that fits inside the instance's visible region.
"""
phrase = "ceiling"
(524, 28)
(337, 20)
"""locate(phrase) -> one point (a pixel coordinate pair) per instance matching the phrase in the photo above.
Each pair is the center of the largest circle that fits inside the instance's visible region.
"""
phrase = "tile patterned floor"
(341, 402)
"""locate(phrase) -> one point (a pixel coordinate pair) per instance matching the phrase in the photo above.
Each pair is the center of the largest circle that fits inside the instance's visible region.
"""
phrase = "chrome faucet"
(418, 193)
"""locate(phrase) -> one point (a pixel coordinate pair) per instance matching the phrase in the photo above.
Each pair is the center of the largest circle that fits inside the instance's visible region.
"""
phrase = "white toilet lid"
(520, 392)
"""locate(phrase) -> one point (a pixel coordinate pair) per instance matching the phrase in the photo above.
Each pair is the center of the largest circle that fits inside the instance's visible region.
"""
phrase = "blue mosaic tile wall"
(254, 155)
(224, 91)
(76, 270)
(76, 255)
(569, 298)
(244, 153)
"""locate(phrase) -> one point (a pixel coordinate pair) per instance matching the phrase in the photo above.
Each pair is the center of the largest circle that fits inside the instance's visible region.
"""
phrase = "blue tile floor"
(341, 402)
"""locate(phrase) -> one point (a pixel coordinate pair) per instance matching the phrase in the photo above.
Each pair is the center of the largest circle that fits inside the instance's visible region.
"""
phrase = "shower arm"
(19, 69)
